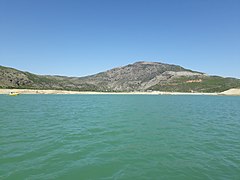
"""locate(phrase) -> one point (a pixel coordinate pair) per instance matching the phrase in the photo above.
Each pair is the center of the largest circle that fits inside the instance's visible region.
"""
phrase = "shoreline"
(230, 92)
(35, 91)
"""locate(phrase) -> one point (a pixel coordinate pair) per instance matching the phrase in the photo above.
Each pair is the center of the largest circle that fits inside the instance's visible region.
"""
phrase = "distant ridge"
(139, 76)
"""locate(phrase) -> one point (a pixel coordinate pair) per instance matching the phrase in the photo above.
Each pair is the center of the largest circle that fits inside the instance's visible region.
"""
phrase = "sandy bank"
(31, 91)
(231, 92)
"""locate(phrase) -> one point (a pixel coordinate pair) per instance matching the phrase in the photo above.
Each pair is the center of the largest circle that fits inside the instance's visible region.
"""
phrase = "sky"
(83, 37)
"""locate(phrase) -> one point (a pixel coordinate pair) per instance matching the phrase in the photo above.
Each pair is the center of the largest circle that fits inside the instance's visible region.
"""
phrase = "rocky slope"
(140, 76)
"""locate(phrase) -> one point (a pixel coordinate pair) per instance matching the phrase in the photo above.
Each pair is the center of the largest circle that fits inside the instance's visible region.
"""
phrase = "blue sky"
(82, 37)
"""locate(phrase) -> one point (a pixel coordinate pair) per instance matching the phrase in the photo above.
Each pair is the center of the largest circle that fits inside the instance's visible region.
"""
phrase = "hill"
(140, 76)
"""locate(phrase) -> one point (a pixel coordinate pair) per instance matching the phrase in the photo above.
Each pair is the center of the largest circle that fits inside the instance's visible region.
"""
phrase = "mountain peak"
(147, 63)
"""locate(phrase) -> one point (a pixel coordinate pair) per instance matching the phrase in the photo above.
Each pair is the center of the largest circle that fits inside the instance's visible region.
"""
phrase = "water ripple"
(119, 137)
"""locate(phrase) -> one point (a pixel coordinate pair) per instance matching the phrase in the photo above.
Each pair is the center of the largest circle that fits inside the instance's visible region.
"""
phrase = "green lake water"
(119, 137)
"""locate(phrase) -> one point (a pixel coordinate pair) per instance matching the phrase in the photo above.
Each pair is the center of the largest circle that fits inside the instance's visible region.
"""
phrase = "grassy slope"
(208, 84)
(60, 83)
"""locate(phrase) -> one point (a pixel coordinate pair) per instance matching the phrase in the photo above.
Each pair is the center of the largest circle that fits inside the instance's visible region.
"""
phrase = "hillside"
(140, 76)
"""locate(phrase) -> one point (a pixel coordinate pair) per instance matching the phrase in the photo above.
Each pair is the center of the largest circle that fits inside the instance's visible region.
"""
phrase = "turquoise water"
(119, 137)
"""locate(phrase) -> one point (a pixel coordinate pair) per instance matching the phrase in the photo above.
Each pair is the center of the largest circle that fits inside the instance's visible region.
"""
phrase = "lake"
(119, 137)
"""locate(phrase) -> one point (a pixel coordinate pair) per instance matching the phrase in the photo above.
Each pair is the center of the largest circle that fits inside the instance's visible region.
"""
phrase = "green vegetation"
(140, 76)
(207, 84)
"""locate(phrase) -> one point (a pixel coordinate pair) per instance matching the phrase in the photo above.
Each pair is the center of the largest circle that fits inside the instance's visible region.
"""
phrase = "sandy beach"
(230, 92)
(32, 91)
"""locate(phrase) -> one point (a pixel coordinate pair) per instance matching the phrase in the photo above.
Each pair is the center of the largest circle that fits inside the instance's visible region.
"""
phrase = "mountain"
(140, 76)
